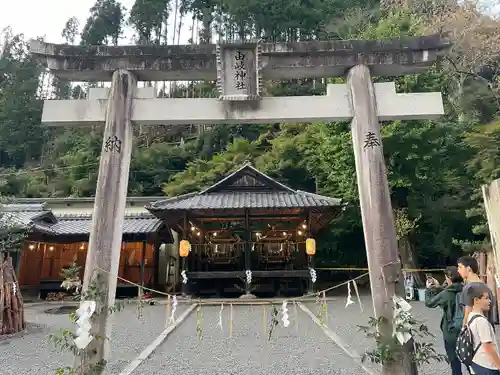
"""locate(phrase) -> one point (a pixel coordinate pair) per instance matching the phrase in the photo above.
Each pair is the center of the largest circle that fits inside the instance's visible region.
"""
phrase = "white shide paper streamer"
(284, 312)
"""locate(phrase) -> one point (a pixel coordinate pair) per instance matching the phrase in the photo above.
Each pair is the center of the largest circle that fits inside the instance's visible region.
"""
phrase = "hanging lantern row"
(185, 247)
(194, 229)
(32, 246)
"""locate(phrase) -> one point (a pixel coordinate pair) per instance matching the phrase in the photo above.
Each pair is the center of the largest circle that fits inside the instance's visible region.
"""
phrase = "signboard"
(238, 71)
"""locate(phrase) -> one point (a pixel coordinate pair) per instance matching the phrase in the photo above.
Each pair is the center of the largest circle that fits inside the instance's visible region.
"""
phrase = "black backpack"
(465, 343)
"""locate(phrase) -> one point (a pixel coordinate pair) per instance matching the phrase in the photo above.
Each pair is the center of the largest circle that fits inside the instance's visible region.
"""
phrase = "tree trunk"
(11, 301)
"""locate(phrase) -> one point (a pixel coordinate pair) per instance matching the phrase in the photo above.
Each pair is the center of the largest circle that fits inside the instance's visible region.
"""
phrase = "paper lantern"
(311, 246)
(184, 248)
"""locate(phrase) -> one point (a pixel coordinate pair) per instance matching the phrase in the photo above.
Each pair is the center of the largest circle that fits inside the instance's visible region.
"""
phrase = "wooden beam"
(143, 259)
(156, 254)
(241, 274)
(109, 212)
(250, 217)
(334, 106)
(311, 59)
(491, 199)
(375, 202)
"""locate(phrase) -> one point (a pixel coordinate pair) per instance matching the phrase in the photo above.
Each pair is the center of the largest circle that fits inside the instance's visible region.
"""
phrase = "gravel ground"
(32, 353)
(301, 350)
(344, 322)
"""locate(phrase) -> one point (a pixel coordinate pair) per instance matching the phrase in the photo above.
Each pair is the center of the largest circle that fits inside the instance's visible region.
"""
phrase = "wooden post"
(143, 265)
(310, 264)
(107, 219)
(376, 210)
(42, 259)
(491, 198)
(2, 293)
(184, 263)
(482, 266)
(310, 259)
(490, 281)
(156, 257)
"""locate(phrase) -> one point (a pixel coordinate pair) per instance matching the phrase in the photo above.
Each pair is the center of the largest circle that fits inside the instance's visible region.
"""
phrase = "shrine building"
(245, 225)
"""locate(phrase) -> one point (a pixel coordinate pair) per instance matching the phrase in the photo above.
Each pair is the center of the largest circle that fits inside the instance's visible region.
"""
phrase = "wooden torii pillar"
(240, 69)
(491, 199)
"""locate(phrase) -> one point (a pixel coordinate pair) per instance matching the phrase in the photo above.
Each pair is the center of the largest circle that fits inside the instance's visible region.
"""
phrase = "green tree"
(104, 24)
(21, 134)
(149, 18)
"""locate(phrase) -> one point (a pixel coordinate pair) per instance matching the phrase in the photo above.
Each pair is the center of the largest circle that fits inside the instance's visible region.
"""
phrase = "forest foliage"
(435, 168)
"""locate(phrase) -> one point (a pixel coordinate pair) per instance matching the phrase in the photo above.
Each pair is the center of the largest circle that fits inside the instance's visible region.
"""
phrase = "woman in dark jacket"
(437, 296)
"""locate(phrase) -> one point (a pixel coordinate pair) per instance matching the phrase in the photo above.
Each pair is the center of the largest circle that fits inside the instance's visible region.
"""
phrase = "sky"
(25, 16)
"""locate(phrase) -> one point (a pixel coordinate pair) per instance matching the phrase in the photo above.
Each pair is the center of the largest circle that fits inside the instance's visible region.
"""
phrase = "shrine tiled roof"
(82, 224)
(245, 188)
(243, 199)
(44, 221)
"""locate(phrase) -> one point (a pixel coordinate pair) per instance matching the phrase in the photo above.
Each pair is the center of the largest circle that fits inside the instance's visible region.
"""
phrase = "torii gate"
(240, 69)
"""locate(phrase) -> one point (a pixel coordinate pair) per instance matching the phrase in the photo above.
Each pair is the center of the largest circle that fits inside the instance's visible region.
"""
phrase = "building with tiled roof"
(247, 221)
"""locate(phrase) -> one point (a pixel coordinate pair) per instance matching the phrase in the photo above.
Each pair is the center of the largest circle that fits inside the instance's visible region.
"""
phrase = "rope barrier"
(313, 294)
(366, 269)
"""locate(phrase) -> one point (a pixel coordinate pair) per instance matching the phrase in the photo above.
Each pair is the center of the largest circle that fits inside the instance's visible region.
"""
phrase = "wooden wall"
(44, 261)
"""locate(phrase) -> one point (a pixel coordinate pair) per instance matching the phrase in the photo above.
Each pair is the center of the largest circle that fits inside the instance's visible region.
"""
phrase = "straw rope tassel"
(231, 320)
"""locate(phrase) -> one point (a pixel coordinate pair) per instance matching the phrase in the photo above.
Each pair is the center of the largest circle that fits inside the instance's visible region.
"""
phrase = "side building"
(60, 234)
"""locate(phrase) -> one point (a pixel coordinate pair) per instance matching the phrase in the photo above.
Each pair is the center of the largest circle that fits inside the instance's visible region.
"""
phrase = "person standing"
(486, 360)
(468, 268)
(446, 299)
